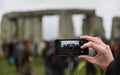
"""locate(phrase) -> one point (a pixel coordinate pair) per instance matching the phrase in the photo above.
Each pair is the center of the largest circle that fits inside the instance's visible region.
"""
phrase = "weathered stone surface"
(28, 28)
(37, 28)
(6, 28)
(66, 25)
(48, 12)
(93, 25)
(20, 28)
(116, 28)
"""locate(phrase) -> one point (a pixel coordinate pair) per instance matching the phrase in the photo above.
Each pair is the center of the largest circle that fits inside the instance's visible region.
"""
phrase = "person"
(5, 49)
(11, 47)
(54, 65)
(46, 56)
(26, 58)
(17, 52)
(104, 58)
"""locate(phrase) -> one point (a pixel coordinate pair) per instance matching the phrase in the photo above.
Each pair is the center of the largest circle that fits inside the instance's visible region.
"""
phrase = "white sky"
(107, 9)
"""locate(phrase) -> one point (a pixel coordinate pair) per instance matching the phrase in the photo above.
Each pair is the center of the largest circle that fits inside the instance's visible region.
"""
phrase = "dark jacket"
(114, 66)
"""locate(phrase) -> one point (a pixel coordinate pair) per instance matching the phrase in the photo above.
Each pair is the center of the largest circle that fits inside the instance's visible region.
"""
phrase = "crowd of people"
(21, 54)
(54, 65)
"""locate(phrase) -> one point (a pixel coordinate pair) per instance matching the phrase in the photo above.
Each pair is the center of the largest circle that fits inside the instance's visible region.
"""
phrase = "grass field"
(6, 69)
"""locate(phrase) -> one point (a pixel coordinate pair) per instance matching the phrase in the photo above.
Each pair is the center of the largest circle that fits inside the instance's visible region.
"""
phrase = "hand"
(104, 55)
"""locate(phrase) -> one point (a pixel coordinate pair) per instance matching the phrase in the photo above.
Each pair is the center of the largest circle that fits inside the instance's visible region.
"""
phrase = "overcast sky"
(107, 9)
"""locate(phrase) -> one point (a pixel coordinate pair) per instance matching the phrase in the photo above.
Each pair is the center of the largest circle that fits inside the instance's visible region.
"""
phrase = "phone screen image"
(70, 47)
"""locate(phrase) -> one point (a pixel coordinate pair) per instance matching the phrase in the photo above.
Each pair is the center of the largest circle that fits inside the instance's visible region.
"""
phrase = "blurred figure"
(58, 63)
(45, 54)
(5, 48)
(26, 59)
(72, 64)
(113, 46)
(54, 65)
(17, 52)
(11, 48)
(90, 68)
(35, 43)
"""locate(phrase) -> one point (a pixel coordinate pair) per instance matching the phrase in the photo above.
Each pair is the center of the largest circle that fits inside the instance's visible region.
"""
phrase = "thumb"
(87, 58)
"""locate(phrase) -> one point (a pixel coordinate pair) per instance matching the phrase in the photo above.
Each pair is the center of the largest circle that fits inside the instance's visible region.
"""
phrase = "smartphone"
(70, 47)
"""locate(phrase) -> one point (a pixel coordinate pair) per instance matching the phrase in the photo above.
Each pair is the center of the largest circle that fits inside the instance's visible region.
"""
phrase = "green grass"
(39, 68)
(7, 69)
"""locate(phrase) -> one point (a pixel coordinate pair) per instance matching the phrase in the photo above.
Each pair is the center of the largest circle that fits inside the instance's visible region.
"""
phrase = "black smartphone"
(70, 47)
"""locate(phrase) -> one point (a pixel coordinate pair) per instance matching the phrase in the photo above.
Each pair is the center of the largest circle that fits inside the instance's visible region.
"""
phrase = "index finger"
(90, 38)
(93, 45)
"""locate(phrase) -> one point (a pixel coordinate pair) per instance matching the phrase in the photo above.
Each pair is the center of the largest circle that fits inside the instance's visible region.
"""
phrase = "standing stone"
(13, 24)
(116, 28)
(93, 26)
(97, 27)
(28, 28)
(66, 25)
(6, 28)
(37, 28)
(20, 28)
(85, 27)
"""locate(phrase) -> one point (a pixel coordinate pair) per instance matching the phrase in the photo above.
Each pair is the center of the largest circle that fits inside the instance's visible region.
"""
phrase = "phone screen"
(70, 47)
